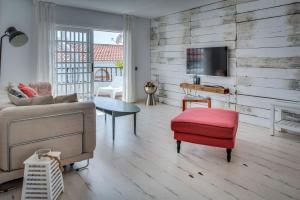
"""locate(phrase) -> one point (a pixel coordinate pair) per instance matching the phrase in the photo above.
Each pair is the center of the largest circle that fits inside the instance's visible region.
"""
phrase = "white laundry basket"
(42, 176)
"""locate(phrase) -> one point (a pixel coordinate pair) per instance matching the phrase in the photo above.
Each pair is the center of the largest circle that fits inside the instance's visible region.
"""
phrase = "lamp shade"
(16, 38)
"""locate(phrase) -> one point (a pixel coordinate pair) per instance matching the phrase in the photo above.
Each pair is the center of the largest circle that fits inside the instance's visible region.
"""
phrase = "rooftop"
(108, 52)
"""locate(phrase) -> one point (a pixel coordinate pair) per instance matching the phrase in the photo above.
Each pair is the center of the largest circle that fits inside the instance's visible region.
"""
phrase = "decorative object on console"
(207, 126)
(194, 79)
(197, 80)
(16, 39)
(150, 89)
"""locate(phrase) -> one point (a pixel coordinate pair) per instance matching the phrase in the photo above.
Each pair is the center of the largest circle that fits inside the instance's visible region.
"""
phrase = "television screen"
(207, 61)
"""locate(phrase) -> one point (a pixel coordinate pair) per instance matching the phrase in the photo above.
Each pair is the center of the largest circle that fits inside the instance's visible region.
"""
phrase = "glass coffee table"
(116, 108)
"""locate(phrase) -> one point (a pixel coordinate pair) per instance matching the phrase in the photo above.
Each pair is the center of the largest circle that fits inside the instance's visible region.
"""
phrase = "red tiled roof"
(108, 52)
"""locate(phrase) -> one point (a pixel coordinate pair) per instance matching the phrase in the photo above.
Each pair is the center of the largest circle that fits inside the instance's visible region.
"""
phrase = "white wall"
(264, 53)
(88, 18)
(17, 63)
(142, 54)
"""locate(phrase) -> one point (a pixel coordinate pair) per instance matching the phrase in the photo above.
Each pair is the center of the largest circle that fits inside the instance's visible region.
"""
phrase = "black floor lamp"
(16, 39)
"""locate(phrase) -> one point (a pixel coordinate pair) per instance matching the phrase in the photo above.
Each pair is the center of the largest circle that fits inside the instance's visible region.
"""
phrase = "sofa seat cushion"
(215, 123)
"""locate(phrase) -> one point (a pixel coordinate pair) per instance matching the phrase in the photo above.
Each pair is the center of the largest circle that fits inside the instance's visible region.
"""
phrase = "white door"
(74, 62)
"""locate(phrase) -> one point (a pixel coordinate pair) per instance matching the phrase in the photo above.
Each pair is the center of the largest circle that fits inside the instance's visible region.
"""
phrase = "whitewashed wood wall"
(263, 37)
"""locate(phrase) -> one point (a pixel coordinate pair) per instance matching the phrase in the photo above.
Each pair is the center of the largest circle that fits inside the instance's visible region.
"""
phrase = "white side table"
(42, 178)
(283, 123)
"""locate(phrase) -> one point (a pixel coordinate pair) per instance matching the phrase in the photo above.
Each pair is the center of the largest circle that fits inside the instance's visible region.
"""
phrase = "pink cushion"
(215, 123)
(42, 88)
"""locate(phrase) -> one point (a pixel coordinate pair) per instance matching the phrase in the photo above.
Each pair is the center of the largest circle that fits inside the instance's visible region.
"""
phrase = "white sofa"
(66, 127)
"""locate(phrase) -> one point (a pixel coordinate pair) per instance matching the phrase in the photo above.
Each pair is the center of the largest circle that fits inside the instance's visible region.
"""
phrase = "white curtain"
(44, 13)
(129, 65)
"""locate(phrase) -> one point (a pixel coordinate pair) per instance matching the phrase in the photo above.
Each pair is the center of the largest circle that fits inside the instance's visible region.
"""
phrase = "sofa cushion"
(69, 98)
(19, 101)
(42, 88)
(16, 92)
(30, 92)
(38, 100)
(215, 123)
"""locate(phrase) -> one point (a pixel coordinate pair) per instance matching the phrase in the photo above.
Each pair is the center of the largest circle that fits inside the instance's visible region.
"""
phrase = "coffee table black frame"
(116, 108)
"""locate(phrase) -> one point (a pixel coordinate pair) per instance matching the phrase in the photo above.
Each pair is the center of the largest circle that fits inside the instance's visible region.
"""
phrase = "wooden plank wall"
(263, 37)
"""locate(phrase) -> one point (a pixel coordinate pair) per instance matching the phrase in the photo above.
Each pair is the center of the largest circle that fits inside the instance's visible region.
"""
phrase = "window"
(74, 62)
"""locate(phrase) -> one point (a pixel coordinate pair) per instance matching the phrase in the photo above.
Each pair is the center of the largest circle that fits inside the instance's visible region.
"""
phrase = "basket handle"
(41, 152)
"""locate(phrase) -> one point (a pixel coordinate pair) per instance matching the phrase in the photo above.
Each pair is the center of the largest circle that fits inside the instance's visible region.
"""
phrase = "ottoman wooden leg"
(178, 146)
(228, 154)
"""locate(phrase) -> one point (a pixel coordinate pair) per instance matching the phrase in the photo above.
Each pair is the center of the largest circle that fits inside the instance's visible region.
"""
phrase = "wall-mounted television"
(211, 61)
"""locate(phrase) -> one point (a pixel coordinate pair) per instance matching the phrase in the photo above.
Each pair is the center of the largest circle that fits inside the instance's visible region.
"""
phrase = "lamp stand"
(1, 50)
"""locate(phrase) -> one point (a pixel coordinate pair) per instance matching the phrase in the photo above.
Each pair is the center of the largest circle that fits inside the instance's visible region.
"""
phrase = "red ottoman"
(213, 127)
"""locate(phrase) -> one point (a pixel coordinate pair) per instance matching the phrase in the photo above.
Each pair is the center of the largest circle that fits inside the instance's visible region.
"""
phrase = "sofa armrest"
(8, 115)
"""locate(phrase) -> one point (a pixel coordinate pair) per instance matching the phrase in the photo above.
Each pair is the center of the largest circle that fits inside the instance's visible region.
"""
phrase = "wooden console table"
(188, 88)
(205, 88)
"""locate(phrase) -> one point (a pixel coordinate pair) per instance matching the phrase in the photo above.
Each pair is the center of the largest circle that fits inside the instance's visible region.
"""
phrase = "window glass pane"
(58, 35)
(76, 36)
(84, 37)
(63, 35)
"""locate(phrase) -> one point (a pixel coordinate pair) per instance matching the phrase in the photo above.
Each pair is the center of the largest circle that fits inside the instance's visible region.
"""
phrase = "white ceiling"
(141, 8)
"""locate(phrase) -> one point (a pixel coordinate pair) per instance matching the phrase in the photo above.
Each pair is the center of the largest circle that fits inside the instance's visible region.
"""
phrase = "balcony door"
(74, 62)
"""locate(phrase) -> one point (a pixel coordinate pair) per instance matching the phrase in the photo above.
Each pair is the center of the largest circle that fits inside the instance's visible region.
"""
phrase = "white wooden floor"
(148, 167)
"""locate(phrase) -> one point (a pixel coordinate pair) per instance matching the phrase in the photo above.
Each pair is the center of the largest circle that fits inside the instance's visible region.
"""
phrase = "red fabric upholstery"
(213, 127)
(215, 123)
(30, 92)
(198, 139)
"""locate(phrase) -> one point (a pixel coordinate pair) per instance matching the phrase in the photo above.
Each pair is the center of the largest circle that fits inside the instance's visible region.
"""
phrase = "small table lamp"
(16, 39)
